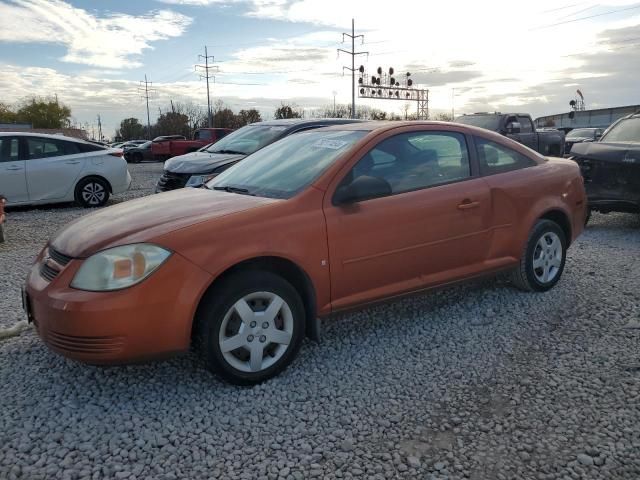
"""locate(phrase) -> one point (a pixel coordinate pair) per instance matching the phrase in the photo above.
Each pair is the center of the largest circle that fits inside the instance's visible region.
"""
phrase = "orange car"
(315, 223)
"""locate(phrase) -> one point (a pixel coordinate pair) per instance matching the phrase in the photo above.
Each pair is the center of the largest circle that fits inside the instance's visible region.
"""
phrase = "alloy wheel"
(93, 193)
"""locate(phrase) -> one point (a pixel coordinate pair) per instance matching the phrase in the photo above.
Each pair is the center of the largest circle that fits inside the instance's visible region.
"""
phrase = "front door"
(13, 179)
(432, 226)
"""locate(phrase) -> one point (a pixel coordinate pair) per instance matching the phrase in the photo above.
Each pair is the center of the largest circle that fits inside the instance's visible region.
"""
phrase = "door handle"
(14, 168)
(467, 204)
(72, 162)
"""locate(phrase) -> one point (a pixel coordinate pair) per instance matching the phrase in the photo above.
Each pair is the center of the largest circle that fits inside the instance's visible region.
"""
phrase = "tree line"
(40, 112)
(183, 118)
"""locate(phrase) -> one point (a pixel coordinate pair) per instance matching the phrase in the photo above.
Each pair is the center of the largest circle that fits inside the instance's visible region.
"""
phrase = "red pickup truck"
(174, 145)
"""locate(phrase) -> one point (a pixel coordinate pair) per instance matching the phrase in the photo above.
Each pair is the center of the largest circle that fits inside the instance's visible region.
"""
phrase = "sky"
(492, 55)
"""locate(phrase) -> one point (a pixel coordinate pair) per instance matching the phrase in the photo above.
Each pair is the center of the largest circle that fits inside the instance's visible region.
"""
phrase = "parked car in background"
(519, 127)
(139, 153)
(164, 148)
(39, 168)
(611, 167)
(132, 144)
(581, 135)
(194, 169)
(318, 222)
(3, 217)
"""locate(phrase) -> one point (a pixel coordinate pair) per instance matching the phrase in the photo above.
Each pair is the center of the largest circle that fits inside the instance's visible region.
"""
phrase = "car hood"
(200, 162)
(146, 218)
(628, 153)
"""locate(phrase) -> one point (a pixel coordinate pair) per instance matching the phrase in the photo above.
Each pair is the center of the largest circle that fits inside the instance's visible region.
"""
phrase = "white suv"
(38, 168)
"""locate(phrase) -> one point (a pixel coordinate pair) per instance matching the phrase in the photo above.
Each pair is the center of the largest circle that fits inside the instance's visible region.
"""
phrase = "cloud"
(112, 41)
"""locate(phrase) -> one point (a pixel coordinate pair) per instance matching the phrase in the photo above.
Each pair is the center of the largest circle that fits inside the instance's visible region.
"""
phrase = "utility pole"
(334, 103)
(453, 96)
(147, 92)
(353, 54)
(99, 128)
(206, 76)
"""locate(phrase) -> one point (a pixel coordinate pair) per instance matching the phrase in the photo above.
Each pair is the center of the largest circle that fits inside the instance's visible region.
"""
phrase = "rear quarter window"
(495, 158)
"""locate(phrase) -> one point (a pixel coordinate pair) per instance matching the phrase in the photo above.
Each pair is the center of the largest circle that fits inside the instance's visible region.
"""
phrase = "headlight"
(199, 180)
(119, 267)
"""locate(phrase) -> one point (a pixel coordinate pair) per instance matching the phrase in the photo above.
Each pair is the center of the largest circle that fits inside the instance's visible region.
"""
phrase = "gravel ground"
(478, 381)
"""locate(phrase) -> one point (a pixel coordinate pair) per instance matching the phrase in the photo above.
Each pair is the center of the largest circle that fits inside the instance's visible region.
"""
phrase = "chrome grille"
(172, 181)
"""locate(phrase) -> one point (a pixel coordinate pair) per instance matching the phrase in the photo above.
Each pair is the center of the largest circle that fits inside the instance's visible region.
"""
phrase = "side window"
(203, 135)
(9, 151)
(495, 158)
(70, 148)
(43, 148)
(412, 161)
(525, 125)
(88, 147)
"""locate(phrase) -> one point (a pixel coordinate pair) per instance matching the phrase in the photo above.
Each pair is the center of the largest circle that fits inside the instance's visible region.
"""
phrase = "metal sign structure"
(386, 86)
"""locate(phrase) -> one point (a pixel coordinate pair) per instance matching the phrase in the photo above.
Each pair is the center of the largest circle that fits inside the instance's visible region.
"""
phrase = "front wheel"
(92, 192)
(250, 328)
(543, 259)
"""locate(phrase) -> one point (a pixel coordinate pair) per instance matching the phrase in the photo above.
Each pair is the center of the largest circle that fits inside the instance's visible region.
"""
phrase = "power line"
(353, 54)
(611, 12)
(206, 76)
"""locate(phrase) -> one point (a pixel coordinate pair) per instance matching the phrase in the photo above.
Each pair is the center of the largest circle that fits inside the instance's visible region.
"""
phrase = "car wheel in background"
(587, 217)
(542, 262)
(136, 157)
(250, 327)
(92, 192)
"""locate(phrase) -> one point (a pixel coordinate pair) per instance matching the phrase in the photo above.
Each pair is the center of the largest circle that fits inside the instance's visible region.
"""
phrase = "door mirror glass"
(513, 127)
(362, 188)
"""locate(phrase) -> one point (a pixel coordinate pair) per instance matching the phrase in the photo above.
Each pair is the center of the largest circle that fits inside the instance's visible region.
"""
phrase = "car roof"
(54, 136)
(296, 122)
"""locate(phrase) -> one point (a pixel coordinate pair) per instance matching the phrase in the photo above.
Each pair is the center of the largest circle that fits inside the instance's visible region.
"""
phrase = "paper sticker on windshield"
(331, 144)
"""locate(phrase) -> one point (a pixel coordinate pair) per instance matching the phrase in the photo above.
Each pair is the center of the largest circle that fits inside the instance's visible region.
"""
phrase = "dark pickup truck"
(519, 127)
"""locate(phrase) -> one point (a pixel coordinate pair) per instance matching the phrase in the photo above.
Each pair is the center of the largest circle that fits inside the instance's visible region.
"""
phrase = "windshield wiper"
(230, 189)
(229, 151)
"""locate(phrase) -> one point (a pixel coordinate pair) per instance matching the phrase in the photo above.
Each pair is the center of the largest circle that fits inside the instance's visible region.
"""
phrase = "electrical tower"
(353, 54)
(148, 91)
(206, 76)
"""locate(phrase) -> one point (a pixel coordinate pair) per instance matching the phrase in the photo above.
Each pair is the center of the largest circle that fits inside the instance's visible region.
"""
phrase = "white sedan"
(38, 168)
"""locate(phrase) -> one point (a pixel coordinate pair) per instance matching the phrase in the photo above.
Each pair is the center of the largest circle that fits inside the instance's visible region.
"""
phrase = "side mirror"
(598, 136)
(362, 188)
(513, 127)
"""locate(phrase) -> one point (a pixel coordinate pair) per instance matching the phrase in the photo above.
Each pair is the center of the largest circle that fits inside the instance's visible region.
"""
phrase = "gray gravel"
(478, 381)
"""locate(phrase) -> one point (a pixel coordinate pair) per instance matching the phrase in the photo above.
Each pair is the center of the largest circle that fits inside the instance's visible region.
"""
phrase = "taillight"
(119, 153)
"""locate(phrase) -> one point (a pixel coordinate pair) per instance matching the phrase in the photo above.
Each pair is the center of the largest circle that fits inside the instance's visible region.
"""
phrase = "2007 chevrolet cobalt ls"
(318, 222)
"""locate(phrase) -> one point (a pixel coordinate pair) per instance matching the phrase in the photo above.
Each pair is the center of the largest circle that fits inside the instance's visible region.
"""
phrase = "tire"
(587, 217)
(136, 157)
(1, 233)
(92, 192)
(541, 268)
(259, 351)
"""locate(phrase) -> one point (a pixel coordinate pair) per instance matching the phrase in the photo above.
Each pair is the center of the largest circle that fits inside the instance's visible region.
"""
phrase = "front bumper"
(149, 320)
(172, 181)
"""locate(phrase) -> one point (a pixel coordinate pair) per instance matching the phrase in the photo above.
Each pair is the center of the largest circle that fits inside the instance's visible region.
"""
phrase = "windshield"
(581, 133)
(247, 139)
(490, 122)
(146, 144)
(288, 166)
(627, 130)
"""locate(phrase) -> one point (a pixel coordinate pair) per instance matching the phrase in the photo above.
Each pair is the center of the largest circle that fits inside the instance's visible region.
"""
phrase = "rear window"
(490, 122)
(88, 147)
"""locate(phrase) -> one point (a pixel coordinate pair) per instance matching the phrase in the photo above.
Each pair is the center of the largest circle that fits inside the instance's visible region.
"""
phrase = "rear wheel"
(92, 192)
(250, 328)
(136, 157)
(542, 262)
